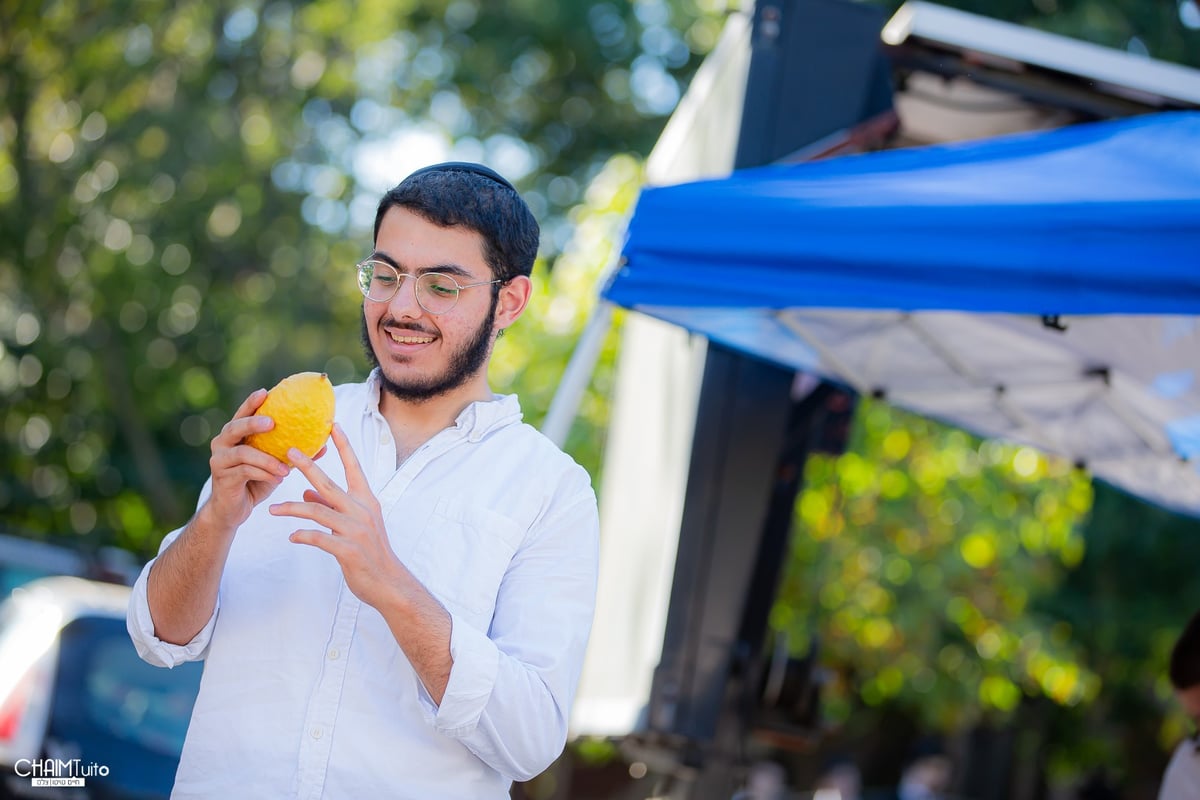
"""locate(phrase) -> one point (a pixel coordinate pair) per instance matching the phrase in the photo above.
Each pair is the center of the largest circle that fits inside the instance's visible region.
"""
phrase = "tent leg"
(565, 405)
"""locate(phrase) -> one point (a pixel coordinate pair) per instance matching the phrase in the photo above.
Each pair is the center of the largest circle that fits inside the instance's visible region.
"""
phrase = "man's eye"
(386, 280)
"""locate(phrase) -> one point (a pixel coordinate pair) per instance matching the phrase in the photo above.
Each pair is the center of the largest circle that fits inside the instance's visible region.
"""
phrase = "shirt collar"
(475, 421)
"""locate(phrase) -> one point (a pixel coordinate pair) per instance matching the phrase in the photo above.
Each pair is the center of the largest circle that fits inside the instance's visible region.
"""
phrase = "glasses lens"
(438, 293)
(377, 281)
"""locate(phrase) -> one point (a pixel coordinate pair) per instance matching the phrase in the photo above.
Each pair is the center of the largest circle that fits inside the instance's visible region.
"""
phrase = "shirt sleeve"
(510, 690)
(140, 624)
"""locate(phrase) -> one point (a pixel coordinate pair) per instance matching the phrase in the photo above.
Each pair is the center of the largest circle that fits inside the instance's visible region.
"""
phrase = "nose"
(404, 301)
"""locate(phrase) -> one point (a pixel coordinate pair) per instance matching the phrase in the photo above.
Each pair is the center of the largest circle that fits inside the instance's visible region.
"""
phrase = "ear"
(514, 296)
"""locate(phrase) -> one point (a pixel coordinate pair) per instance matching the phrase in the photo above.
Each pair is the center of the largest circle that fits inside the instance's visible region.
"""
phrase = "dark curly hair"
(468, 195)
(1184, 670)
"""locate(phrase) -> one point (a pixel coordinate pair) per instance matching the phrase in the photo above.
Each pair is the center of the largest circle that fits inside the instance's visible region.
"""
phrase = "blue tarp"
(1090, 219)
(925, 275)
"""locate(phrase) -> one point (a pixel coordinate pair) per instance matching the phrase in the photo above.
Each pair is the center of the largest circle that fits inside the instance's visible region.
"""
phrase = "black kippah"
(464, 166)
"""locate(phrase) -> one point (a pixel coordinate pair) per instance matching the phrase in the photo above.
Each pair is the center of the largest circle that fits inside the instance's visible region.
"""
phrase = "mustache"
(390, 322)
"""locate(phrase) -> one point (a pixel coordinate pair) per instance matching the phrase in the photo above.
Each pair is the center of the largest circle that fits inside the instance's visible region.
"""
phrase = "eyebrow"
(445, 269)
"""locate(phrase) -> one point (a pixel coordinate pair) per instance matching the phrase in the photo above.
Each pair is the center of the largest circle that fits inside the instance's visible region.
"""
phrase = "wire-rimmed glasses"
(437, 292)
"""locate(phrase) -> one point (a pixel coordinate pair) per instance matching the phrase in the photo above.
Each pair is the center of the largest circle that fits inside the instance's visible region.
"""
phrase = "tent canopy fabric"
(1043, 287)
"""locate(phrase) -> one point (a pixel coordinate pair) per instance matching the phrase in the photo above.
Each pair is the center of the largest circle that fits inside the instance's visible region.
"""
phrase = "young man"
(407, 616)
(1182, 778)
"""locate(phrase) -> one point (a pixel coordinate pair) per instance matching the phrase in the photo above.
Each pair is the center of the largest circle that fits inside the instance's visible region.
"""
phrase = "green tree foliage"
(146, 248)
(957, 583)
(1126, 602)
(916, 557)
(185, 186)
(530, 359)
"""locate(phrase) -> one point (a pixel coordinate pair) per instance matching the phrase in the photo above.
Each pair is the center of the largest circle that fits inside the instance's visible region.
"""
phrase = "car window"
(137, 701)
(111, 708)
(104, 686)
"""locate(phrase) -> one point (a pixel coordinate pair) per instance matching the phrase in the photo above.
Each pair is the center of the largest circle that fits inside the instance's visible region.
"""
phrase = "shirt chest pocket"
(462, 556)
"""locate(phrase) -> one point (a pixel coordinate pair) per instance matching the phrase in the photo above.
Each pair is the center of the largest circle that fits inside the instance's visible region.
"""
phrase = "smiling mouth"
(402, 339)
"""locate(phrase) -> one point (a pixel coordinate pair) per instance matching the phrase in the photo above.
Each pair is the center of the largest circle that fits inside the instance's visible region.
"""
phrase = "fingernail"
(294, 455)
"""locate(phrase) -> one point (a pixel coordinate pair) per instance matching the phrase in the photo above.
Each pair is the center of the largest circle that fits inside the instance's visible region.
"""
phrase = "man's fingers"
(239, 428)
(313, 497)
(319, 540)
(248, 473)
(356, 481)
(231, 457)
(250, 404)
(332, 494)
(314, 512)
(244, 421)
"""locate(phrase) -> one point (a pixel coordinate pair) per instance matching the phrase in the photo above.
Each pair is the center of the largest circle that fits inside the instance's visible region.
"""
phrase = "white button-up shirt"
(1181, 781)
(306, 693)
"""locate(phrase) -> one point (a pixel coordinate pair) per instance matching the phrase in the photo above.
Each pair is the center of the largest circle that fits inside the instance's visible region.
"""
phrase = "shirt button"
(333, 654)
(315, 733)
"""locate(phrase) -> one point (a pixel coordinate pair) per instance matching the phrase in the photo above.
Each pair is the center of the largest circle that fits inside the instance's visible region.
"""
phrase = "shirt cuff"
(472, 676)
(141, 630)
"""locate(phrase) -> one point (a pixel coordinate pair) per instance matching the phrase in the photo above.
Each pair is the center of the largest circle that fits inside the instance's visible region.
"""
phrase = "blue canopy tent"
(1042, 287)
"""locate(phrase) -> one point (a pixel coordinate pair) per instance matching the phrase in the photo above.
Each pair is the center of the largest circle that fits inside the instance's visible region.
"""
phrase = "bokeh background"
(184, 190)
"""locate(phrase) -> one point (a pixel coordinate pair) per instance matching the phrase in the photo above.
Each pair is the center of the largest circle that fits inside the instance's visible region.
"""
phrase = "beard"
(464, 363)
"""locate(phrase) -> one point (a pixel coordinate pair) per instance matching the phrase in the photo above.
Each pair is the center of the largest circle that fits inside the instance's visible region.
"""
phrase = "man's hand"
(181, 589)
(242, 476)
(358, 540)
